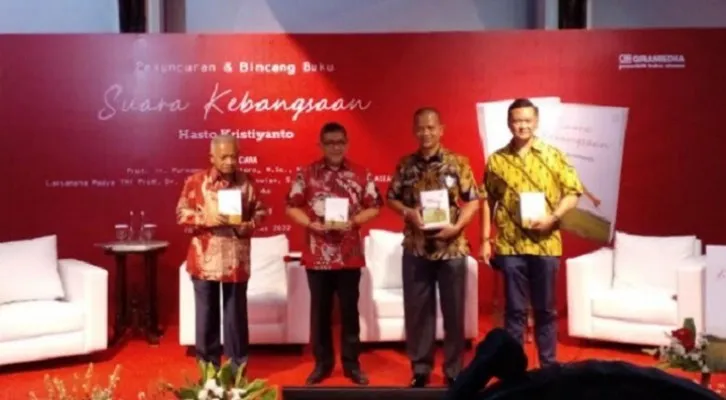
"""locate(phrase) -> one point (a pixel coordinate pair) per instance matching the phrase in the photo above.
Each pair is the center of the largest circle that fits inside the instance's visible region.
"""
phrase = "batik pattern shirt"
(310, 187)
(217, 253)
(543, 169)
(444, 170)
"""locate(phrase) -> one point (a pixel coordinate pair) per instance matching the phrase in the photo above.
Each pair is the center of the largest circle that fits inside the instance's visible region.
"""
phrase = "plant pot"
(705, 379)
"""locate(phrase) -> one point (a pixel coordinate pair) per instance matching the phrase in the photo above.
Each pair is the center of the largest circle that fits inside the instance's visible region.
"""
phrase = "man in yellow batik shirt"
(528, 252)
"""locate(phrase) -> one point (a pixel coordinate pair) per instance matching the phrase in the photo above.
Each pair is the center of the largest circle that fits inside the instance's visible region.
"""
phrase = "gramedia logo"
(626, 59)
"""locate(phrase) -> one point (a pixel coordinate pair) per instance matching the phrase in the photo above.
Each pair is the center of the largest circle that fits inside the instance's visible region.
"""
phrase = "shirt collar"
(344, 165)
(216, 176)
(438, 156)
(537, 145)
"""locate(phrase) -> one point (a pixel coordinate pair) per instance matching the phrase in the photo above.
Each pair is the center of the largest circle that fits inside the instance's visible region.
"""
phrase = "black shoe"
(449, 381)
(419, 380)
(318, 375)
(356, 376)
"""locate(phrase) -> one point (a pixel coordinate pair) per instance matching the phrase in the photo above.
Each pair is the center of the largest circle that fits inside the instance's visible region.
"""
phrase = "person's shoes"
(449, 380)
(318, 375)
(419, 380)
(356, 376)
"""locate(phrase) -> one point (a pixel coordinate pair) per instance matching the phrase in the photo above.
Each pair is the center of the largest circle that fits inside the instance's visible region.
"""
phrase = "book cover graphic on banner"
(591, 136)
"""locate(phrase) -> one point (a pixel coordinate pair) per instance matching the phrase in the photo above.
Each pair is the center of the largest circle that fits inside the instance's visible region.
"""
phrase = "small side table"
(150, 251)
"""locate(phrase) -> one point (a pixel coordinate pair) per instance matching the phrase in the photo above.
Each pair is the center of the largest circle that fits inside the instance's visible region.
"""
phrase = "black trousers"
(208, 314)
(323, 285)
(531, 279)
(420, 277)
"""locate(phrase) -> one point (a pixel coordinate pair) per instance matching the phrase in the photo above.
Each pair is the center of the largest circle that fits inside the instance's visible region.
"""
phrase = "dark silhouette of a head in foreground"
(500, 356)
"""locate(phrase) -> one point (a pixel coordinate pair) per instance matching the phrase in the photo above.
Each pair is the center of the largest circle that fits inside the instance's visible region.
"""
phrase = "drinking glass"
(122, 232)
(148, 231)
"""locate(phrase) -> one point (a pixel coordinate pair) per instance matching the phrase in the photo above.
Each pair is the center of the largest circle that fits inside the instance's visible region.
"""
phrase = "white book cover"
(435, 210)
(336, 210)
(532, 206)
(229, 202)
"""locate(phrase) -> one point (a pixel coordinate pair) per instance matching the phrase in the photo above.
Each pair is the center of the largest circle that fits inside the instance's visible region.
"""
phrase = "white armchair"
(638, 291)
(278, 298)
(44, 329)
(381, 291)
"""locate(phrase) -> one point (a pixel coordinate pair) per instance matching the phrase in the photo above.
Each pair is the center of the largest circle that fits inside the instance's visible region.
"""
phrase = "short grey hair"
(220, 139)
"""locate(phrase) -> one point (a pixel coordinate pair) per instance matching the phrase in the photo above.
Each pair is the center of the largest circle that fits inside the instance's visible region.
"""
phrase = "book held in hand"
(336, 212)
(532, 206)
(435, 209)
(229, 204)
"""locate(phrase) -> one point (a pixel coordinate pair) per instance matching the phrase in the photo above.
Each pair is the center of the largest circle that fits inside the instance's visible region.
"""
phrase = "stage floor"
(143, 367)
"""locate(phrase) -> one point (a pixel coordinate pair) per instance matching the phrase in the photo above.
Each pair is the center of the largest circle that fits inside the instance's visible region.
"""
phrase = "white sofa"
(278, 299)
(49, 308)
(637, 292)
(381, 290)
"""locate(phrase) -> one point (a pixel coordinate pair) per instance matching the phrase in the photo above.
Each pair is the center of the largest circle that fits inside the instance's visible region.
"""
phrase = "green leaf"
(225, 375)
(240, 381)
(186, 394)
(690, 325)
(210, 372)
(256, 386)
(271, 394)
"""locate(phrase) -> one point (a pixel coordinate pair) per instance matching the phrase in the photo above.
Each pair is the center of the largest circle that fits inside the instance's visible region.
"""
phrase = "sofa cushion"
(642, 306)
(267, 308)
(29, 270)
(29, 319)
(267, 263)
(388, 303)
(385, 263)
(649, 261)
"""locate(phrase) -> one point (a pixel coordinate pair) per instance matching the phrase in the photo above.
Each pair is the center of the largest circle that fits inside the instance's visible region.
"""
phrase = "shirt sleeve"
(493, 185)
(567, 175)
(468, 189)
(371, 195)
(395, 188)
(189, 207)
(296, 195)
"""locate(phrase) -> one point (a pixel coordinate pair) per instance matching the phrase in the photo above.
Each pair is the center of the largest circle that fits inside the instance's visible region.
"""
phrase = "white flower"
(679, 349)
(218, 392)
(203, 394)
(694, 356)
(210, 384)
(705, 369)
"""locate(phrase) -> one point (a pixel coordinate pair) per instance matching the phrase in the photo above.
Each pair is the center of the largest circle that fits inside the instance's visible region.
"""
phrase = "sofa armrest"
(586, 275)
(87, 285)
(690, 290)
(471, 311)
(298, 304)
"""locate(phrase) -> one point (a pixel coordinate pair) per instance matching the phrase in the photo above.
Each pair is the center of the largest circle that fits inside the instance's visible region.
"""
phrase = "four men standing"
(526, 253)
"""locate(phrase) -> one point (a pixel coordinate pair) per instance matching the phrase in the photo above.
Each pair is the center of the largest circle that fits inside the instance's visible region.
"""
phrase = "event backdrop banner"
(95, 127)
(592, 138)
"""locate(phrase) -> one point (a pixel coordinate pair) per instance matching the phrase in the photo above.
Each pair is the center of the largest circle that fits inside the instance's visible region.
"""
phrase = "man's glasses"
(334, 143)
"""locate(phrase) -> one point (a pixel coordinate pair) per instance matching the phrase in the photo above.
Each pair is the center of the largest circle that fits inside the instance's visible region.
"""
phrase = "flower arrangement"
(687, 350)
(80, 389)
(223, 384)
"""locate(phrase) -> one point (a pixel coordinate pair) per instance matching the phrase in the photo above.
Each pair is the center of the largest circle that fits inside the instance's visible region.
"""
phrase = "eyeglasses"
(333, 143)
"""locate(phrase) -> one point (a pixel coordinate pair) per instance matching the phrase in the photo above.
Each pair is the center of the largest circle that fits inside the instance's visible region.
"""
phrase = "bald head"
(224, 153)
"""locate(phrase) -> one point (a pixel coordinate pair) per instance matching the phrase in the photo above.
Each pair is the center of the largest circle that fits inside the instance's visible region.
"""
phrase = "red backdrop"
(58, 131)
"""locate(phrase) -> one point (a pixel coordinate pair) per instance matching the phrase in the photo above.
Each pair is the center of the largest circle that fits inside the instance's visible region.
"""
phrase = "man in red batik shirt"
(334, 256)
(219, 253)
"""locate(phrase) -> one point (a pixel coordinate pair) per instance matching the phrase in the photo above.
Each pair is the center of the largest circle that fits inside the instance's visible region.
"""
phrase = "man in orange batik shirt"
(219, 253)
